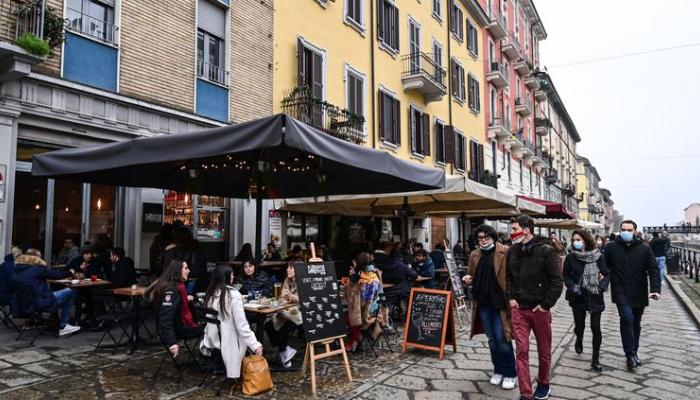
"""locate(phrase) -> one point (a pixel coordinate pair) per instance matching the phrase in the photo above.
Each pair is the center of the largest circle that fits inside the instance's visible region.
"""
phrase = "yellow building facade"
(582, 189)
(412, 69)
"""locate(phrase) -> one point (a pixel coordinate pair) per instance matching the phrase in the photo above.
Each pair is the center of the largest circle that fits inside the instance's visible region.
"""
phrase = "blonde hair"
(16, 252)
(30, 260)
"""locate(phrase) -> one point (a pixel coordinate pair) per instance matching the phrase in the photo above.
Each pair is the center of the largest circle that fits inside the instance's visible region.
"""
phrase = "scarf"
(185, 312)
(486, 288)
(589, 279)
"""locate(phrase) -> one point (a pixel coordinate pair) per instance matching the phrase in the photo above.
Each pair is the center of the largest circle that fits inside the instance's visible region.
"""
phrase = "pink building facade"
(511, 46)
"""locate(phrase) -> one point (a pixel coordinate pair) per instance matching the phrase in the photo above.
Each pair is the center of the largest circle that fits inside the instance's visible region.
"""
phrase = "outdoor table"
(261, 314)
(85, 284)
(387, 285)
(135, 295)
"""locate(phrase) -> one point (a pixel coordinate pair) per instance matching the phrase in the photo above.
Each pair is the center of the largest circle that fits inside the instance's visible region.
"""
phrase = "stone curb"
(688, 304)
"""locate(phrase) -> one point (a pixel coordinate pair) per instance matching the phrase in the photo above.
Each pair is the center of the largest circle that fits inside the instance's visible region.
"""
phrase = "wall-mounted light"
(187, 198)
(99, 204)
(66, 208)
(37, 206)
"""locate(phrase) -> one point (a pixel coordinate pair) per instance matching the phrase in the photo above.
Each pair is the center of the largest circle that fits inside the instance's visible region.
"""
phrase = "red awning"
(553, 210)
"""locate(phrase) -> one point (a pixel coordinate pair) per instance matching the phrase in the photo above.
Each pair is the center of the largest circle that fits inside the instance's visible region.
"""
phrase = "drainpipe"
(373, 95)
(449, 67)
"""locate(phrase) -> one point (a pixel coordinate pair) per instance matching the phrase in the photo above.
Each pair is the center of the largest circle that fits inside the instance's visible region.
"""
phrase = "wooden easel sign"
(429, 321)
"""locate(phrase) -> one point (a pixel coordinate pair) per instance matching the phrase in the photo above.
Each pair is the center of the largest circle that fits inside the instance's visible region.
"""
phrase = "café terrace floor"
(67, 368)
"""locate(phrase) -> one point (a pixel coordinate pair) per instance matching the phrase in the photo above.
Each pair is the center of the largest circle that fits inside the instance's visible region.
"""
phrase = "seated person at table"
(398, 274)
(236, 335)
(295, 253)
(283, 323)
(86, 264)
(381, 255)
(272, 253)
(176, 319)
(361, 293)
(253, 281)
(7, 273)
(123, 273)
(438, 256)
(32, 292)
(424, 267)
(68, 252)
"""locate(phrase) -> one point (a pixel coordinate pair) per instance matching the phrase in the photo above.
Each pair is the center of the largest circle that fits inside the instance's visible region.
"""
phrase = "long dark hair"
(220, 279)
(171, 277)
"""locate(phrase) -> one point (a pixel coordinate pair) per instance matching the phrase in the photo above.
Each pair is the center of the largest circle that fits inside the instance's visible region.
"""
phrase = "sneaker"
(68, 329)
(288, 354)
(509, 383)
(288, 364)
(496, 379)
(542, 392)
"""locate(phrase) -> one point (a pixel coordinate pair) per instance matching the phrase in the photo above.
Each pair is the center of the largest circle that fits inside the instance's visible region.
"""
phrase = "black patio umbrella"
(272, 157)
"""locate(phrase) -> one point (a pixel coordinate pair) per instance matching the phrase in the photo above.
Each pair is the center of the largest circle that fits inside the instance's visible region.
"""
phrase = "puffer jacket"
(533, 275)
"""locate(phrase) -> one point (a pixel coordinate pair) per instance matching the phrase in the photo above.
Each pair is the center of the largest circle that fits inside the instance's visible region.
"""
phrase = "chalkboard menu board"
(455, 280)
(429, 321)
(319, 300)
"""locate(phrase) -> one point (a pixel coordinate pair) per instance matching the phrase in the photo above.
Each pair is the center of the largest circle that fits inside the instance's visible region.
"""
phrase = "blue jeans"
(630, 327)
(64, 301)
(661, 261)
(502, 355)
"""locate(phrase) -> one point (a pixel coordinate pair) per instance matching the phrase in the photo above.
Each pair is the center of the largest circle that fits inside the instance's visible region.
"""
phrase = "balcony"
(531, 82)
(422, 74)
(498, 26)
(540, 95)
(523, 67)
(516, 143)
(487, 178)
(19, 18)
(212, 73)
(523, 106)
(511, 48)
(301, 104)
(498, 75)
(552, 176)
(499, 129)
(569, 189)
(542, 126)
(539, 158)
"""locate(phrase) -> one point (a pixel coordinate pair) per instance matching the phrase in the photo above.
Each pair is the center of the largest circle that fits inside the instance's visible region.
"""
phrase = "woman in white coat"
(236, 335)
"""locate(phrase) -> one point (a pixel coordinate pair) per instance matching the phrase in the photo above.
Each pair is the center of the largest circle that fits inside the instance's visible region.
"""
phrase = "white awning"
(567, 224)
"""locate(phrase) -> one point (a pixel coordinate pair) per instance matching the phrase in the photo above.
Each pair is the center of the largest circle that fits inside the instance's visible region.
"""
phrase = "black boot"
(637, 361)
(631, 364)
(595, 363)
(579, 344)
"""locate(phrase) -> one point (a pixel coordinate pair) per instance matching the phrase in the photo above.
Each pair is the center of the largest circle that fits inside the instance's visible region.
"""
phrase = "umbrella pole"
(258, 224)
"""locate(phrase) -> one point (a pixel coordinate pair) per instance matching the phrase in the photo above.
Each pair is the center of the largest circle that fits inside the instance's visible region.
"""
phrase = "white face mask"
(518, 240)
(487, 247)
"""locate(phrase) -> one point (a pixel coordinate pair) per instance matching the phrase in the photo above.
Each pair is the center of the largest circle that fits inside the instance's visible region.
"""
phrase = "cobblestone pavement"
(670, 351)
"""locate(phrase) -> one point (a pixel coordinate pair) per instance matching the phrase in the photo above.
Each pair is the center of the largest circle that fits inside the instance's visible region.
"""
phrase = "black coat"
(573, 271)
(32, 292)
(533, 274)
(399, 274)
(123, 273)
(633, 270)
(258, 283)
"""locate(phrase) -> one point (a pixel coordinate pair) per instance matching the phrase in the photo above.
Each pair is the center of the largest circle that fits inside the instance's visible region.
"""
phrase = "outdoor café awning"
(553, 210)
(460, 194)
(522, 207)
(567, 224)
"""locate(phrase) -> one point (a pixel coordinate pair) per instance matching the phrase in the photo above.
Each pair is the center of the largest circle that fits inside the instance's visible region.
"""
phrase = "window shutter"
(453, 80)
(480, 161)
(380, 19)
(211, 18)
(413, 125)
(476, 40)
(477, 98)
(397, 121)
(396, 27)
(317, 75)
(472, 161)
(426, 134)
(351, 93)
(300, 63)
(449, 135)
(382, 115)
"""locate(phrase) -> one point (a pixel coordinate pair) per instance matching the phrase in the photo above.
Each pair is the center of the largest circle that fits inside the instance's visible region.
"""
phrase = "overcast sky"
(638, 117)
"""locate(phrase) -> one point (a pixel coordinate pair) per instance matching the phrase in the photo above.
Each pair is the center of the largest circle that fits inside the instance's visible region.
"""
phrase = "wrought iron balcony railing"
(301, 104)
(424, 64)
(212, 72)
(91, 26)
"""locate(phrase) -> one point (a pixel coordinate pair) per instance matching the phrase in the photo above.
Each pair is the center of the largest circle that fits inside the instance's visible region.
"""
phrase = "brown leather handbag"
(255, 375)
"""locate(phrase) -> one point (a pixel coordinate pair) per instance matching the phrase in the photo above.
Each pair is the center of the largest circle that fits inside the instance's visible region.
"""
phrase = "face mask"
(370, 268)
(578, 245)
(627, 236)
(487, 247)
(600, 244)
(517, 237)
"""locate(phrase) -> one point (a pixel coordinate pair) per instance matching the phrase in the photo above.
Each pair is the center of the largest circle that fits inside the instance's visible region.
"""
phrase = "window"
(472, 39)
(93, 18)
(354, 11)
(531, 173)
(493, 105)
(476, 161)
(437, 59)
(420, 131)
(437, 9)
(474, 100)
(440, 153)
(414, 45)
(457, 21)
(355, 89)
(461, 153)
(388, 24)
(389, 118)
(520, 164)
(211, 50)
(310, 68)
(508, 160)
(494, 153)
(458, 90)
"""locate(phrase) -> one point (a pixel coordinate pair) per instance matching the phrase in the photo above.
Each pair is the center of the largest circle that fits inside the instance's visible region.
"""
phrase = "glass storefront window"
(102, 199)
(67, 214)
(211, 224)
(302, 229)
(178, 207)
(210, 212)
(29, 219)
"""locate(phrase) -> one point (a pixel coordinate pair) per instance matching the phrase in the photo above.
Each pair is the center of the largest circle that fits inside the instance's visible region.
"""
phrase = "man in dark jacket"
(7, 272)
(533, 285)
(398, 274)
(659, 245)
(424, 267)
(438, 256)
(381, 255)
(122, 273)
(86, 263)
(632, 270)
(32, 292)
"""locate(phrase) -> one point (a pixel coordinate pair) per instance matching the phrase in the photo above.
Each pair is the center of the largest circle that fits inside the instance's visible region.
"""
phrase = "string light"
(296, 164)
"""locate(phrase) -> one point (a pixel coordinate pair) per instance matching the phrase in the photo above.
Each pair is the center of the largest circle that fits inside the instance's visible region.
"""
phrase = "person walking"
(633, 270)
(586, 277)
(533, 285)
(490, 313)
(659, 245)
